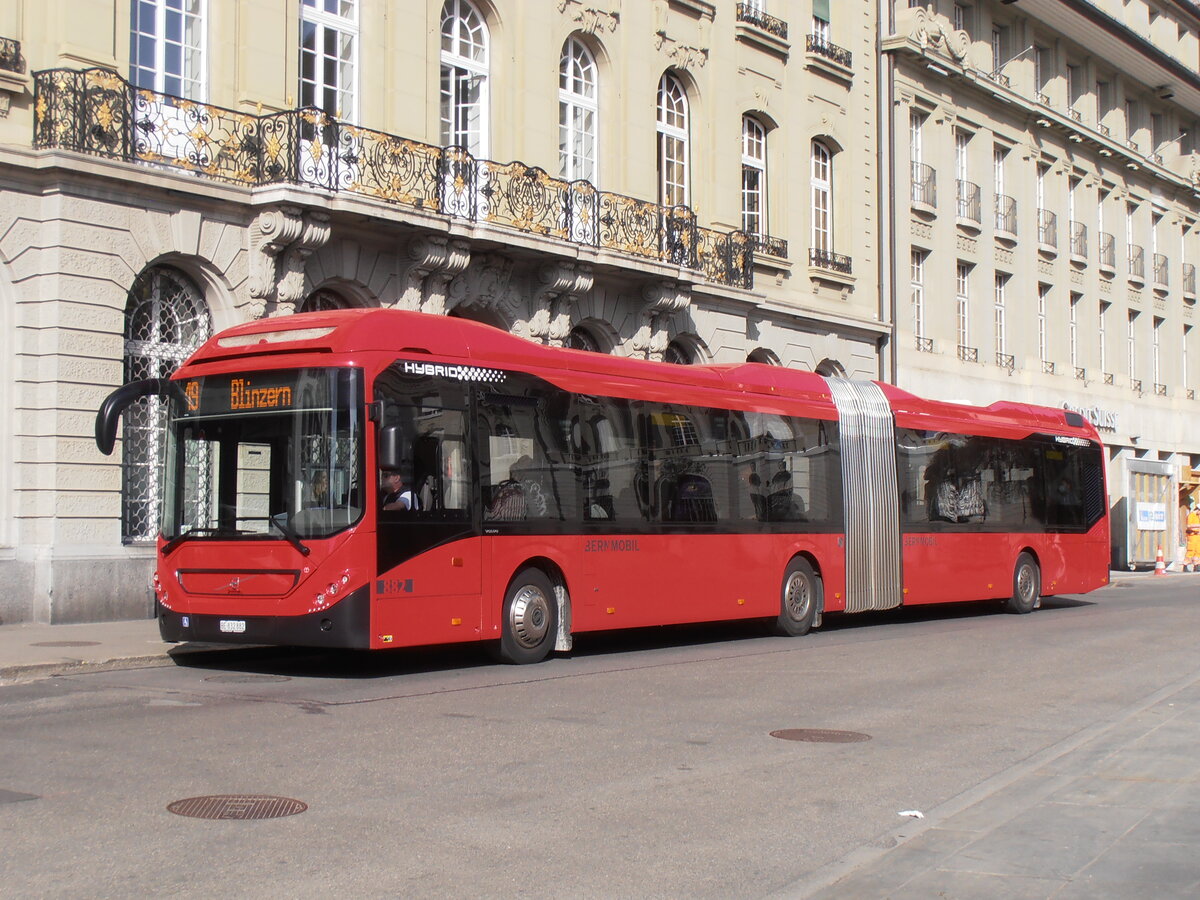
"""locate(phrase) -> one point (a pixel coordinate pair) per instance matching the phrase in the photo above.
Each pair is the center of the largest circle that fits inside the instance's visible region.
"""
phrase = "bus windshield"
(275, 454)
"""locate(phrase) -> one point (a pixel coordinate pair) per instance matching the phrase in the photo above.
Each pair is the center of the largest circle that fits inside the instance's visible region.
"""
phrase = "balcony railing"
(1047, 228)
(1075, 115)
(968, 354)
(818, 45)
(1191, 393)
(10, 55)
(1109, 378)
(98, 112)
(1006, 361)
(967, 201)
(1078, 240)
(771, 246)
(1161, 271)
(1104, 129)
(1189, 279)
(924, 185)
(1080, 373)
(1137, 262)
(1135, 385)
(1006, 215)
(827, 259)
(1043, 99)
(924, 344)
(1160, 390)
(1047, 367)
(1108, 251)
(751, 14)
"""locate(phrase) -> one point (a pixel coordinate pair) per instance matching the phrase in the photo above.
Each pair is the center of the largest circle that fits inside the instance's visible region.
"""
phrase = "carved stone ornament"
(433, 261)
(590, 19)
(561, 283)
(933, 32)
(663, 299)
(281, 241)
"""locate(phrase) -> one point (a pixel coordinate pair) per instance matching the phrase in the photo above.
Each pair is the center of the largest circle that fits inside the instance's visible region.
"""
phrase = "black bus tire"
(529, 623)
(1027, 586)
(799, 598)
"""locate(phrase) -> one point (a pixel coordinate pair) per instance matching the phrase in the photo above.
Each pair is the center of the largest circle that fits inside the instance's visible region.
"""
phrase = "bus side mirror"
(390, 453)
(115, 403)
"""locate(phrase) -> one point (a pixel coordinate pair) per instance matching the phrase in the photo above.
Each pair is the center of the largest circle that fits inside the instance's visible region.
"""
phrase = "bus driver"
(393, 494)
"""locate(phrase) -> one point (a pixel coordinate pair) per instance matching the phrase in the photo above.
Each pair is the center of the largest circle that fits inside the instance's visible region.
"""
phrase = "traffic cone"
(1160, 567)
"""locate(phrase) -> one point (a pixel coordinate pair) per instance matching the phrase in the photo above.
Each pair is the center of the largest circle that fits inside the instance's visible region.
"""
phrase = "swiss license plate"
(233, 626)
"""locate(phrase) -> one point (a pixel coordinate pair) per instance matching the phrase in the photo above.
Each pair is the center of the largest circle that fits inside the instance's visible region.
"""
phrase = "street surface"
(643, 765)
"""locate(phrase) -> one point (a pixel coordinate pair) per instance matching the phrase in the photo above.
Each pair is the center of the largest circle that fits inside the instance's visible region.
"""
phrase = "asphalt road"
(641, 766)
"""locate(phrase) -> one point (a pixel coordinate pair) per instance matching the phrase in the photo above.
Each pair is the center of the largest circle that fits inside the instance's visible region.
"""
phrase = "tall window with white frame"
(465, 78)
(1073, 330)
(921, 183)
(1184, 376)
(754, 178)
(1005, 214)
(1043, 328)
(578, 113)
(917, 283)
(1134, 262)
(963, 308)
(1155, 355)
(962, 188)
(328, 56)
(1101, 334)
(962, 17)
(820, 21)
(1131, 347)
(1131, 122)
(821, 184)
(673, 142)
(167, 47)
(1000, 319)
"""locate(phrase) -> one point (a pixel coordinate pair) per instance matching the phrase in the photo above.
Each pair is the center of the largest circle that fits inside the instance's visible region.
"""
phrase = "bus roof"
(409, 333)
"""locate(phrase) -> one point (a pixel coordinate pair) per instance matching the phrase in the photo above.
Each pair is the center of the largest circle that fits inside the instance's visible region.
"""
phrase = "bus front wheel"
(1027, 586)
(799, 598)
(530, 618)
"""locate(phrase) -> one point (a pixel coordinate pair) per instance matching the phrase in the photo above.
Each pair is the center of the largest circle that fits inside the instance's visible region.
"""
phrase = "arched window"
(678, 353)
(672, 142)
(324, 300)
(165, 320)
(754, 177)
(582, 339)
(821, 182)
(578, 107)
(764, 356)
(464, 78)
(830, 368)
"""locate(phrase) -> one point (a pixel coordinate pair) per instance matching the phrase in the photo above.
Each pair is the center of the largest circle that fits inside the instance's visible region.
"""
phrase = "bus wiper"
(185, 535)
(289, 534)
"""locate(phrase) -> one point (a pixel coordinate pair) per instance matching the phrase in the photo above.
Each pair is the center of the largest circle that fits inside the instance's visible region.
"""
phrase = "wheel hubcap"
(797, 597)
(529, 616)
(1025, 586)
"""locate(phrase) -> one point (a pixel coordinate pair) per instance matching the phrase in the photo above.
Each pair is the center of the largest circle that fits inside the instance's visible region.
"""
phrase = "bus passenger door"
(427, 590)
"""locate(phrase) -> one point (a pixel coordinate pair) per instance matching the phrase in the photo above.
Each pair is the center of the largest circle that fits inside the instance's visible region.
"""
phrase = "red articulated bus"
(382, 478)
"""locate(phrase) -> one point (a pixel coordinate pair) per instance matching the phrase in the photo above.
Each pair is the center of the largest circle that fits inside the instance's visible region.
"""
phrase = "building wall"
(78, 228)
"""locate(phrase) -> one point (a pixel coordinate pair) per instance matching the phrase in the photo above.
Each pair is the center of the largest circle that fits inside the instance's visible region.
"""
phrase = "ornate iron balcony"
(1137, 262)
(968, 354)
(1006, 214)
(1080, 373)
(1006, 361)
(1047, 228)
(826, 259)
(772, 246)
(10, 55)
(1161, 270)
(1078, 240)
(967, 200)
(756, 17)
(1160, 390)
(924, 344)
(924, 185)
(818, 45)
(1108, 250)
(98, 112)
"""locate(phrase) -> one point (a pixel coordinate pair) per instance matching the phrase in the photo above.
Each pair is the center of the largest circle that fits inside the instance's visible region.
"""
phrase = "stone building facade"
(691, 180)
(1046, 200)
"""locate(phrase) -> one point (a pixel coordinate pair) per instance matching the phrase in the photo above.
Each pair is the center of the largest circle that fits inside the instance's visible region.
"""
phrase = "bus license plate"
(233, 626)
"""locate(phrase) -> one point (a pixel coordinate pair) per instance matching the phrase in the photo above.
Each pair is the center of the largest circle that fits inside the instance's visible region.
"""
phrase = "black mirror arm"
(116, 403)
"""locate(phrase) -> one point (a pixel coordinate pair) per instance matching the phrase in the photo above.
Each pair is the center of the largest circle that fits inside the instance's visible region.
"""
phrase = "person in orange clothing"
(1192, 528)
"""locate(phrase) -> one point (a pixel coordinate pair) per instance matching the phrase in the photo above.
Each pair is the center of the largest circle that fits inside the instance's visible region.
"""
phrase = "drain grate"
(820, 736)
(237, 806)
(246, 679)
(66, 644)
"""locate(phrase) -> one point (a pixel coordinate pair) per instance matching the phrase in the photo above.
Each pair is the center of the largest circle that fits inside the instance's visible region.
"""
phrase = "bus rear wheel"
(1027, 586)
(799, 599)
(530, 619)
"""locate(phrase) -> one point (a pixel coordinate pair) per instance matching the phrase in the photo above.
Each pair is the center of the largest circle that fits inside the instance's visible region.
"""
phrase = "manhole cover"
(237, 806)
(820, 735)
(66, 644)
(246, 679)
